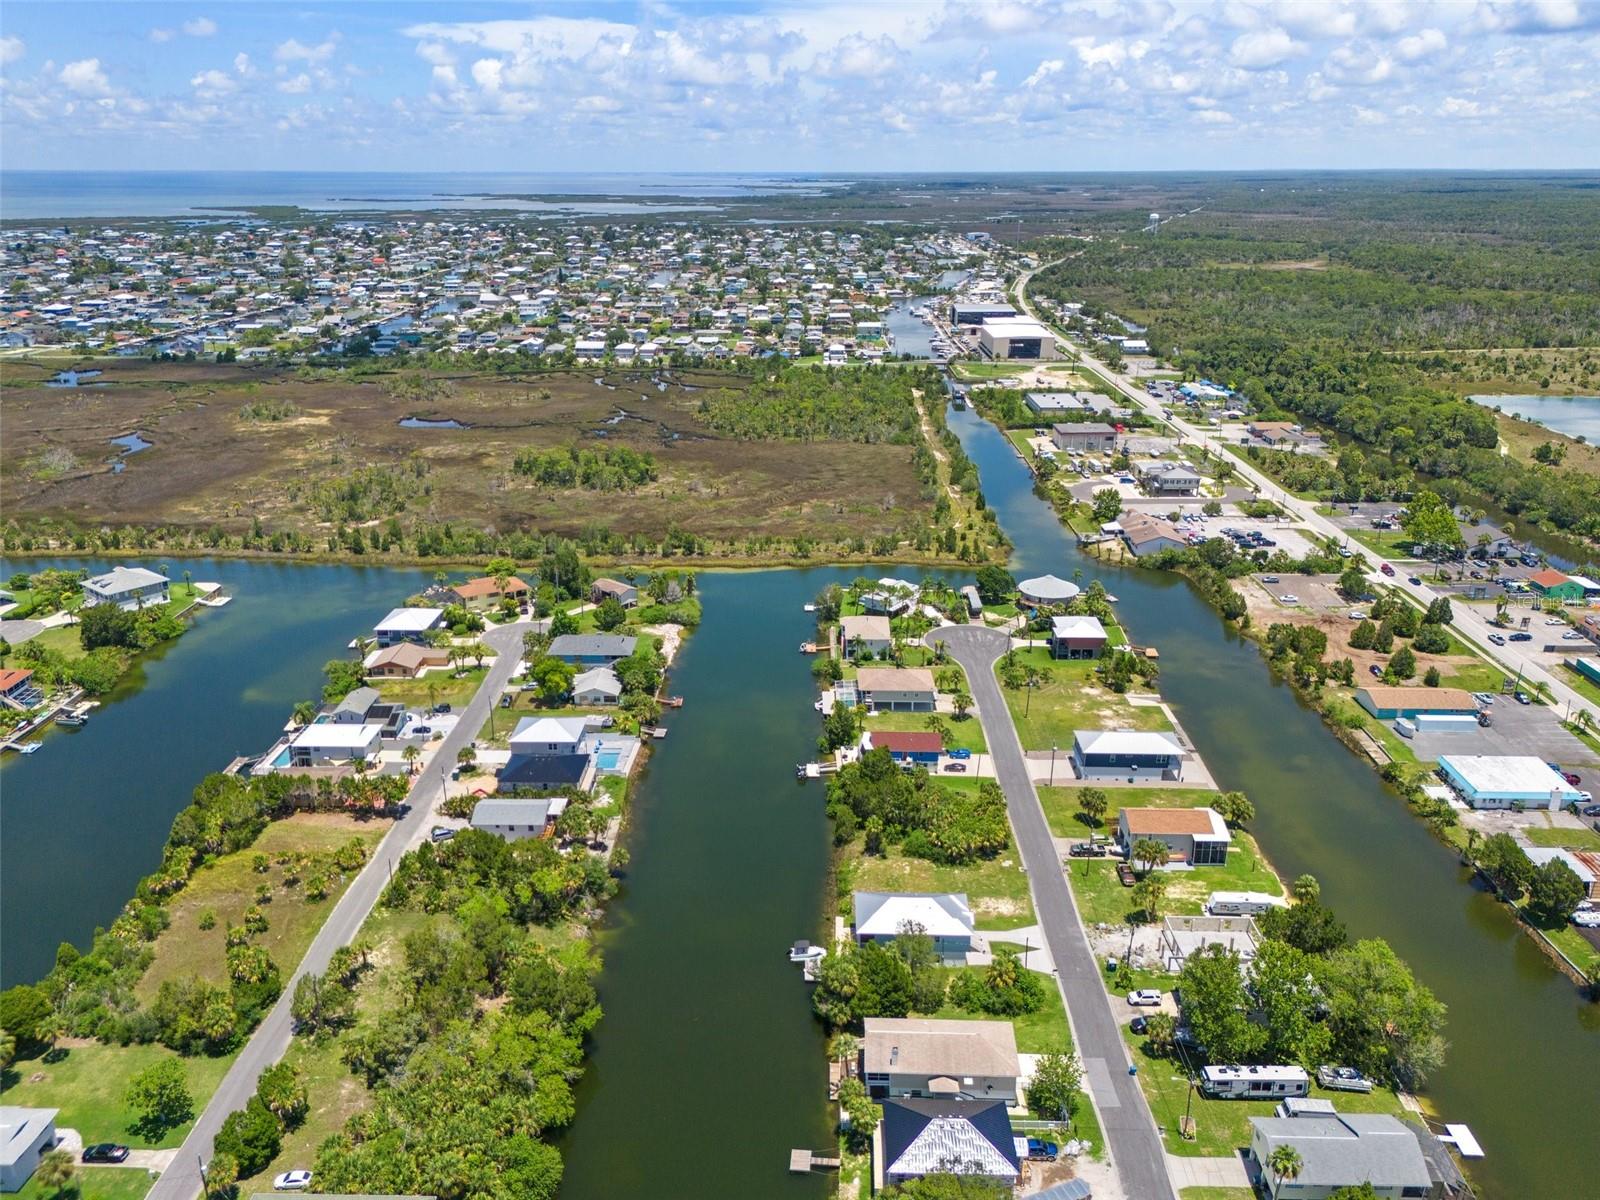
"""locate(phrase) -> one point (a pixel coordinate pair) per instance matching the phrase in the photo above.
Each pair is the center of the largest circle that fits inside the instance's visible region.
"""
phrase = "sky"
(751, 85)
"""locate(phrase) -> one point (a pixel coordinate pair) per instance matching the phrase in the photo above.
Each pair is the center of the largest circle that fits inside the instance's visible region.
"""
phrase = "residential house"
(920, 748)
(549, 752)
(442, 595)
(1197, 836)
(405, 660)
(330, 742)
(592, 649)
(1585, 864)
(1046, 589)
(352, 709)
(1170, 479)
(1089, 437)
(25, 1135)
(18, 690)
(896, 689)
(892, 597)
(1388, 703)
(945, 917)
(515, 818)
(1077, 637)
(1126, 754)
(1342, 1150)
(408, 625)
(596, 686)
(126, 587)
(865, 635)
(487, 590)
(1551, 584)
(962, 1137)
(1150, 535)
(602, 590)
(922, 1057)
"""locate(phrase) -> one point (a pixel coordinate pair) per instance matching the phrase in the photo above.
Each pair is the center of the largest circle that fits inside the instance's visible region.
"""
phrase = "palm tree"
(936, 724)
(8, 1048)
(304, 712)
(1285, 1162)
(363, 647)
(1148, 895)
(411, 754)
(1161, 1030)
(1149, 853)
(56, 1171)
(52, 1029)
(962, 703)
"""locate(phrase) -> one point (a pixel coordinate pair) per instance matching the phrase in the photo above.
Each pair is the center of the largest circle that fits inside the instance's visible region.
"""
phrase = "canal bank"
(1517, 1029)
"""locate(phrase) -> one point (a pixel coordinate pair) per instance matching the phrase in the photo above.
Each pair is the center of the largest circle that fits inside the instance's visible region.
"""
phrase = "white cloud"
(1213, 116)
(296, 86)
(295, 50)
(1369, 116)
(436, 53)
(241, 64)
(1049, 67)
(162, 35)
(200, 27)
(856, 57)
(85, 78)
(1422, 44)
(486, 73)
(213, 83)
(11, 49)
(1263, 48)
(1457, 108)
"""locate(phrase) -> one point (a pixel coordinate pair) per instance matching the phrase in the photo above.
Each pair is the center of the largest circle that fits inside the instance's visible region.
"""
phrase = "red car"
(1386, 569)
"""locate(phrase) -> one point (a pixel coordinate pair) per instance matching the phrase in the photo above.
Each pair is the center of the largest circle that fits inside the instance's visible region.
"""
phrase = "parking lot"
(1518, 729)
(1313, 593)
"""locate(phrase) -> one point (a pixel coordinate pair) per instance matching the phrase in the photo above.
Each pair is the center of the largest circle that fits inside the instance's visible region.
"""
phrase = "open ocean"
(37, 195)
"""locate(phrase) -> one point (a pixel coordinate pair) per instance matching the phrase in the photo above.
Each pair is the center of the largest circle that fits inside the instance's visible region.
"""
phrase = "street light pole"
(1052, 766)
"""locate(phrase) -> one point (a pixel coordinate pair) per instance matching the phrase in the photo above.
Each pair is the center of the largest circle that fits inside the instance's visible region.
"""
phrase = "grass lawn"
(1223, 1126)
(436, 687)
(965, 369)
(1070, 700)
(227, 887)
(1574, 945)
(1061, 805)
(1103, 900)
(1215, 1193)
(88, 1084)
(1581, 684)
(1477, 676)
(526, 704)
(1564, 836)
(997, 888)
(95, 1183)
(1387, 542)
(967, 732)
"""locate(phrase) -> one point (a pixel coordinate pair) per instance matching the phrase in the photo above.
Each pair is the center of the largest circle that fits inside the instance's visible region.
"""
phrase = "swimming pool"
(608, 758)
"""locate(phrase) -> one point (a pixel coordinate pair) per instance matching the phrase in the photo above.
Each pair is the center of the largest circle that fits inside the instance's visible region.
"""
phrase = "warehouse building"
(1016, 338)
(1387, 703)
(1506, 780)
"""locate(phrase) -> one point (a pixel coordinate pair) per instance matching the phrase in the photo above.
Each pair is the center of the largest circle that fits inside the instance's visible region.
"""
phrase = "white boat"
(28, 747)
(810, 608)
(805, 952)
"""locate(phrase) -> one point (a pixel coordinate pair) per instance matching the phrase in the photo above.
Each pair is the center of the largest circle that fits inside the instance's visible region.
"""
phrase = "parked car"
(1288, 598)
(1386, 568)
(441, 708)
(1413, 581)
(1040, 1150)
(956, 767)
(1145, 997)
(1125, 874)
(1377, 671)
(1087, 850)
(1138, 1025)
(961, 753)
(1572, 635)
(1497, 639)
(105, 1152)
(1522, 637)
(1555, 621)
(292, 1181)
(1269, 579)
(1590, 810)
(441, 833)
(1589, 918)
(1523, 698)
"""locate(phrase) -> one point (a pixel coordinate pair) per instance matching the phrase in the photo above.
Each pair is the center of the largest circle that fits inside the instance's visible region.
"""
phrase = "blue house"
(910, 746)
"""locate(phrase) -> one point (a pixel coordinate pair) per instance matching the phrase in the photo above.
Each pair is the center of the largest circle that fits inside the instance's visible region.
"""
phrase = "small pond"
(128, 443)
(71, 379)
(432, 423)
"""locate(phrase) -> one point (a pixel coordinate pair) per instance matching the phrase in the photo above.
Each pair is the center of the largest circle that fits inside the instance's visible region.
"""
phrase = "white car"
(1357, 614)
(1288, 598)
(1144, 996)
(292, 1181)
(1589, 918)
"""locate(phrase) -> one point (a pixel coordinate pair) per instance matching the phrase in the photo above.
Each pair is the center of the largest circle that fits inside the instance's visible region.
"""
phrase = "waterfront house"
(911, 747)
(1388, 703)
(549, 752)
(408, 625)
(487, 590)
(625, 594)
(591, 649)
(1089, 437)
(549, 735)
(1126, 754)
(1145, 534)
(1170, 479)
(865, 635)
(1551, 584)
(596, 686)
(442, 595)
(1342, 1150)
(1197, 836)
(959, 1137)
(896, 689)
(1077, 637)
(518, 818)
(325, 742)
(127, 588)
(1506, 781)
(17, 689)
(405, 660)
(890, 599)
(1046, 589)
(945, 917)
(1585, 864)
(948, 1060)
(25, 1134)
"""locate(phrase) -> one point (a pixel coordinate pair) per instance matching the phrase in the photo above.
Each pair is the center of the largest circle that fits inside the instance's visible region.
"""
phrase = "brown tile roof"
(894, 679)
(1168, 820)
(907, 742)
(1447, 699)
(1549, 577)
(472, 589)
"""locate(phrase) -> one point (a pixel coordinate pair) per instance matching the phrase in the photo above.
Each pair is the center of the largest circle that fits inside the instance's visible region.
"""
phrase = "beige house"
(405, 660)
(947, 1060)
(865, 635)
(896, 689)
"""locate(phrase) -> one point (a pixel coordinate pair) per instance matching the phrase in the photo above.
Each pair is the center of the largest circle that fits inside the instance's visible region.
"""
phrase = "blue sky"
(860, 85)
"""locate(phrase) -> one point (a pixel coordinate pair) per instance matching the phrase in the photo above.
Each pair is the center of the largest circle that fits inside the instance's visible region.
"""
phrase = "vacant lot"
(233, 444)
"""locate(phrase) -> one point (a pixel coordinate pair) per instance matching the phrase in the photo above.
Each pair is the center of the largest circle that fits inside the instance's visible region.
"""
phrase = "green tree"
(1217, 1007)
(251, 1136)
(944, 1186)
(1055, 1088)
(1235, 808)
(1554, 893)
(1381, 1019)
(222, 1177)
(159, 1097)
(1306, 888)
(1107, 505)
(56, 1171)
(1093, 803)
(1353, 583)
(1284, 982)
(24, 1009)
(610, 615)
(1161, 1031)
(1285, 1163)
(1149, 853)
(1149, 893)
(996, 585)
(282, 1089)
(1363, 636)
(861, 1114)
(1403, 664)
(1432, 678)
(1429, 522)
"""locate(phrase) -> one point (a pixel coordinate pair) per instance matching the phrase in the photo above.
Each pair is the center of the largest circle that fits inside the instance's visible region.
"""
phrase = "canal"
(1524, 1051)
(85, 818)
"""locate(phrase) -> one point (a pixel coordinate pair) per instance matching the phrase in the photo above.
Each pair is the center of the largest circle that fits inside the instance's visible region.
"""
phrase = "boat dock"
(211, 595)
(803, 1162)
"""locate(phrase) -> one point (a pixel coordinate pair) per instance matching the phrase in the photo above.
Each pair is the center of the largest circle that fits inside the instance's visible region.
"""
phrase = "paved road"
(1468, 624)
(182, 1180)
(1136, 1148)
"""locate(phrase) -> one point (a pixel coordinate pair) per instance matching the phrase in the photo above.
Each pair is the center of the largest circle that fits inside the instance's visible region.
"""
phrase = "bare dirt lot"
(210, 463)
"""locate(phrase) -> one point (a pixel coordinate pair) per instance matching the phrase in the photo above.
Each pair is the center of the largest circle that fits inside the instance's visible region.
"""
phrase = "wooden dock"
(803, 1162)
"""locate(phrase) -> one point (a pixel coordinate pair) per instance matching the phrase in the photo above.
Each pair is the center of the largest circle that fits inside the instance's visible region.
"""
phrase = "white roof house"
(332, 739)
(1077, 626)
(1126, 742)
(409, 620)
(25, 1133)
(937, 914)
(548, 735)
(1047, 589)
(123, 585)
(599, 681)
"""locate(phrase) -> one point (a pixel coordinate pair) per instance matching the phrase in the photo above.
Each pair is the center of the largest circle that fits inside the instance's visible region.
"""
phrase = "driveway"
(266, 1045)
(1132, 1141)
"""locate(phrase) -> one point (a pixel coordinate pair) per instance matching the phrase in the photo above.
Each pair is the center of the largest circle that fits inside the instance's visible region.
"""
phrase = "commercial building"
(1585, 864)
(1150, 535)
(1008, 338)
(25, 1134)
(945, 917)
(976, 312)
(1197, 836)
(1551, 584)
(947, 1060)
(1342, 1150)
(1387, 703)
(1506, 780)
(1090, 437)
(1126, 754)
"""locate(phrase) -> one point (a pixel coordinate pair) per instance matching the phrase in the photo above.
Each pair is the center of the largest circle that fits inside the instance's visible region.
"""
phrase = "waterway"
(1575, 416)
(84, 819)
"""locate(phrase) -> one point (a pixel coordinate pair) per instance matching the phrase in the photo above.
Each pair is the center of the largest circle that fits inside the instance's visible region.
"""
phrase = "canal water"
(85, 818)
(1575, 416)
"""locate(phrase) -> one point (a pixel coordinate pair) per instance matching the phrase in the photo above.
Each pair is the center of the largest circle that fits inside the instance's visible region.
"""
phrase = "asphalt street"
(1135, 1146)
(182, 1181)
